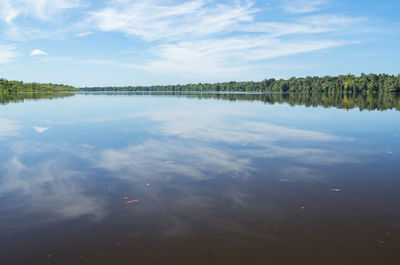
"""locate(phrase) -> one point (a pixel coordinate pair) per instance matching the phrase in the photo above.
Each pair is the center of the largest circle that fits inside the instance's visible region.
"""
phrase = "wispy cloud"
(7, 53)
(205, 38)
(191, 39)
(227, 57)
(200, 19)
(157, 20)
(27, 19)
(84, 34)
(43, 9)
(303, 6)
(310, 24)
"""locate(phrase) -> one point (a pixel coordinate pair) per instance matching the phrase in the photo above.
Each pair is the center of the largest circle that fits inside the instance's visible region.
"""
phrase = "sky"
(136, 42)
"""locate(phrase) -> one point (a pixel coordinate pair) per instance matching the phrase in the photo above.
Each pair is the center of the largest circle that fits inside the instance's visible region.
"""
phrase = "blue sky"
(135, 42)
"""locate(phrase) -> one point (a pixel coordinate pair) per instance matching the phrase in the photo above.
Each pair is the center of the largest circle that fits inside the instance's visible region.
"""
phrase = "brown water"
(208, 181)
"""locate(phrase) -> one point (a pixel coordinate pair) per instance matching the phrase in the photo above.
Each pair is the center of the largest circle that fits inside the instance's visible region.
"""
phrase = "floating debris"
(389, 152)
(168, 177)
(381, 242)
(302, 207)
(132, 201)
(147, 184)
(88, 146)
(125, 198)
(168, 162)
(49, 256)
(336, 190)
(286, 180)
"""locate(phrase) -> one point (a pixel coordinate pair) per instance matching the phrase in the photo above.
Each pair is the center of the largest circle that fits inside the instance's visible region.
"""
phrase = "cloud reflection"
(240, 128)
(210, 149)
(49, 190)
(8, 128)
(228, 123)
(148, 160)
(307, 156)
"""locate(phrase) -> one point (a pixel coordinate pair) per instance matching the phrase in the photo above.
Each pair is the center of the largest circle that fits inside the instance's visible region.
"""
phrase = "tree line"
(341, 83)
(7, 86)
(327, 84)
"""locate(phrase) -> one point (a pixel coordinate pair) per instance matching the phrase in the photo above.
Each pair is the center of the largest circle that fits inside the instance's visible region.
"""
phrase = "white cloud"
(38, 52)
(84, 34)
(194, 38)
(303, 6)
(40, 129)
(230, 57)
(156, 20)
(22, 20)
(198, 19)
(7, 53)
(40, 9)
(312, 24)
(237, 57)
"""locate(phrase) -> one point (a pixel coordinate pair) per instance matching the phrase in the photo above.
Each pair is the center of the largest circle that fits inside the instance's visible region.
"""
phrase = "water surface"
(199, 179)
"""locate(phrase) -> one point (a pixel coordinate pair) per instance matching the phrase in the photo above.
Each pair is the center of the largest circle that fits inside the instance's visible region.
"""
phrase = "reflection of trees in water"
(21, 97)
(362, 101)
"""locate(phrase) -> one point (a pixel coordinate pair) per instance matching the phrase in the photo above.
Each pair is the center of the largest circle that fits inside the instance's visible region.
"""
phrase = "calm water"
(146, 179)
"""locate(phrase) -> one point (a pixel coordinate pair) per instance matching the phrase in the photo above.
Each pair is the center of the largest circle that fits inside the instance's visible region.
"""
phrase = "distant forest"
(341, 83)
(381, 83)
(19, 86)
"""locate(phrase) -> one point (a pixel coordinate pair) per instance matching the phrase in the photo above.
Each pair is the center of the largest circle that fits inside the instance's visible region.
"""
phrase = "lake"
(135, 178)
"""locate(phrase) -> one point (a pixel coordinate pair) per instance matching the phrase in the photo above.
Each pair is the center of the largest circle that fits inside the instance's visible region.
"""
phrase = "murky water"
(146, 179)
